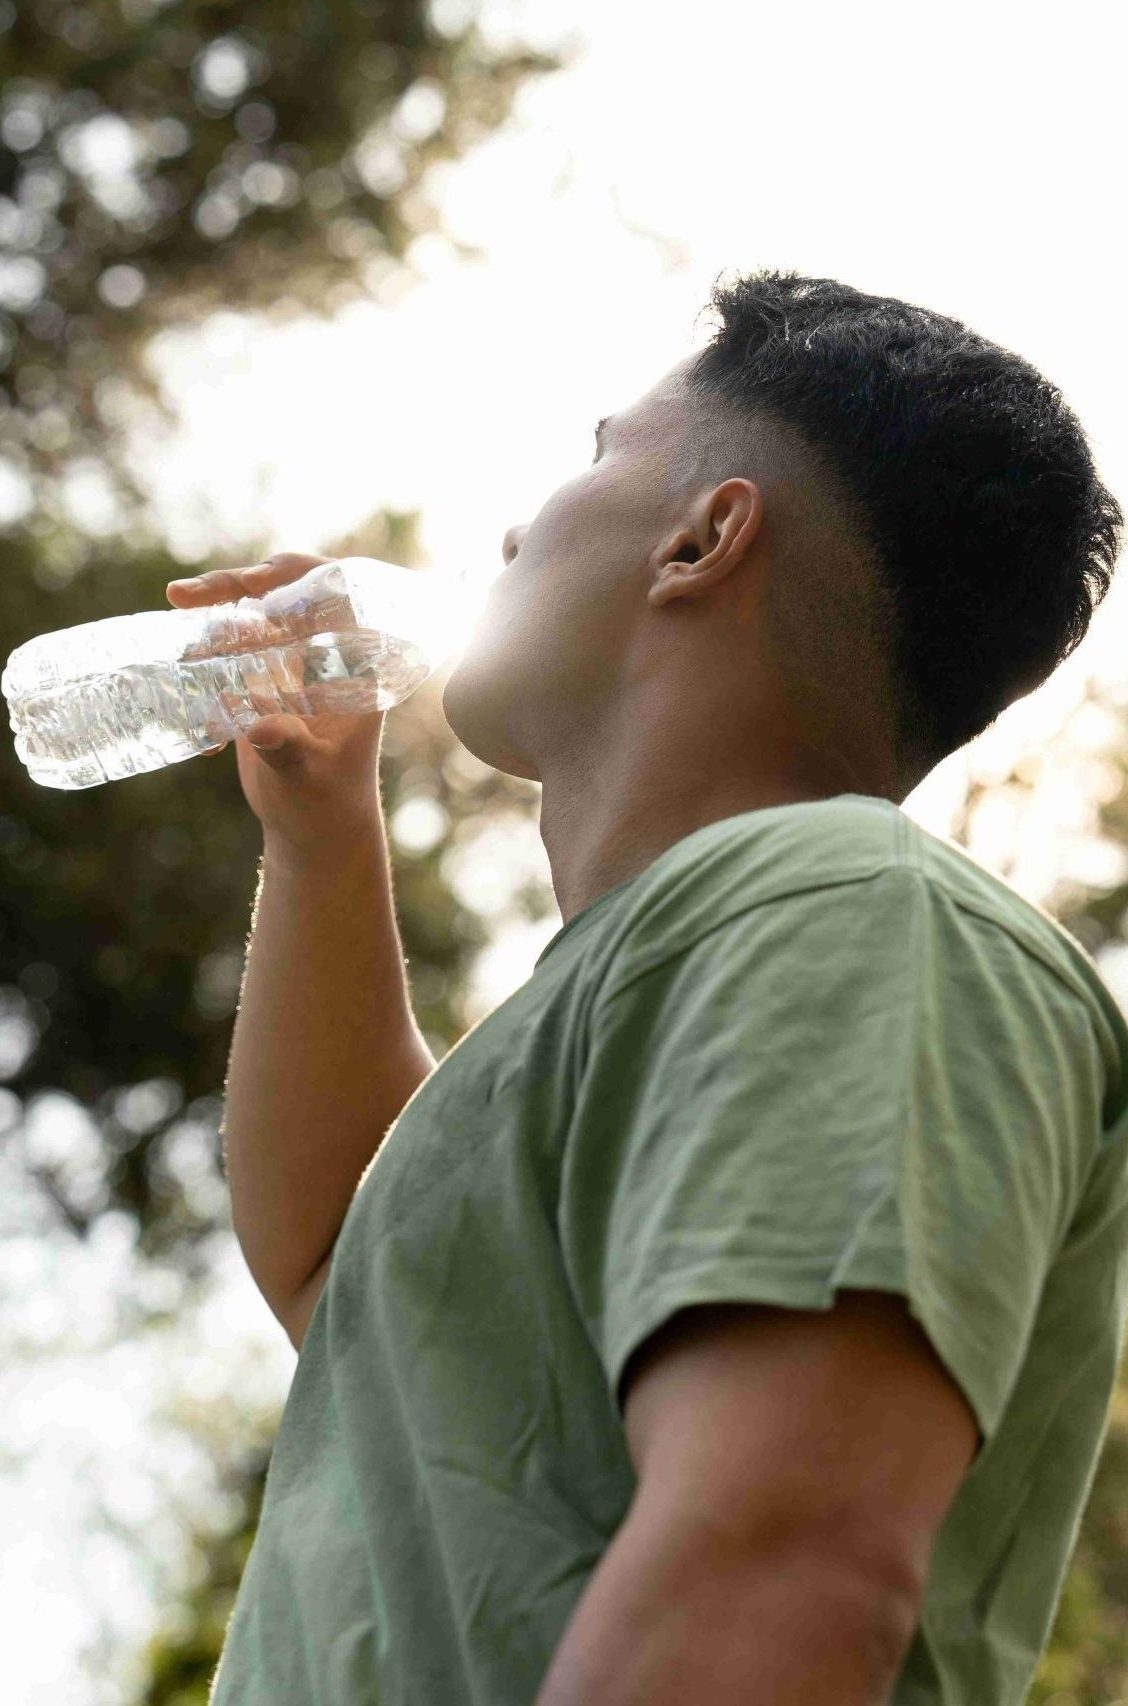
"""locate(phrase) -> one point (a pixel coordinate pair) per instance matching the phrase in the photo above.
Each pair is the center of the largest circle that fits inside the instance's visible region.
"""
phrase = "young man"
(734, 1314)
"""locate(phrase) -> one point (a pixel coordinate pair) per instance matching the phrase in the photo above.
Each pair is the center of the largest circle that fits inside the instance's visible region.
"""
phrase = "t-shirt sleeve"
(862, 1085)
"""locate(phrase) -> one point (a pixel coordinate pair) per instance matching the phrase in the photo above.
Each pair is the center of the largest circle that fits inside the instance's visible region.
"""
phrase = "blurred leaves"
(1086, 1663)
(161, 160)
(125, 912)
(158, 161)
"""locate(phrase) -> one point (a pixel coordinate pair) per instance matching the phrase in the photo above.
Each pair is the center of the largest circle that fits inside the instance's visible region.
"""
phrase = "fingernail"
(191, 585)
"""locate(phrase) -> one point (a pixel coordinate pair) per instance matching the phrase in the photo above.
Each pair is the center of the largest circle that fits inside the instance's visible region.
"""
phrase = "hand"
(309, 780)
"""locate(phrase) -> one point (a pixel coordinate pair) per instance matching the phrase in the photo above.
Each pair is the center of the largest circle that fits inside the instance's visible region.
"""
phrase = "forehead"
(661, 407)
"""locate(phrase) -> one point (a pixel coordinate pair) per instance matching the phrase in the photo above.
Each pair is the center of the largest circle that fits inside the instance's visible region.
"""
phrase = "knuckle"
(295, 560)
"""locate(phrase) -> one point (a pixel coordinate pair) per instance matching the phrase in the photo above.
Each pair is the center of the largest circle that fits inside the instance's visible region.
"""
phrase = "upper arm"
(761, 1426)
(861, 1086)
(295, 1317)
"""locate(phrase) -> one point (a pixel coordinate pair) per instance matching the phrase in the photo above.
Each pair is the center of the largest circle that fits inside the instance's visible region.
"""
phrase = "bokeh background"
(361, 277)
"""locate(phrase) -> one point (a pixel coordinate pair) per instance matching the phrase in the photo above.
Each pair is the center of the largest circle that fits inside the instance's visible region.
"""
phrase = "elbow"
(295, 1316)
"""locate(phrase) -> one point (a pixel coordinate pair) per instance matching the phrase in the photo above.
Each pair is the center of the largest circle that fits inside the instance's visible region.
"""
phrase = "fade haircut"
(949, 465)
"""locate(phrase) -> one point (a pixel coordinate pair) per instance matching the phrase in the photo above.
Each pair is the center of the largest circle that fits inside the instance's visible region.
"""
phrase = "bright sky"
(963, 159)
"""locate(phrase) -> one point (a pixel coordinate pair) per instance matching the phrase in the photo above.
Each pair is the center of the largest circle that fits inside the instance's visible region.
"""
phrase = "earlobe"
(686, 577)
(679, 576)
(670, 584)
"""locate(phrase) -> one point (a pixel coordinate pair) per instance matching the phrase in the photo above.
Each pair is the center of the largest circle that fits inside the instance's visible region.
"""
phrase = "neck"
(608, 813)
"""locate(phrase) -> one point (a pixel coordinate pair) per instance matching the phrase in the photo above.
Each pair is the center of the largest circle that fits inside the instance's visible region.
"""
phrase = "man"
(733, 1315)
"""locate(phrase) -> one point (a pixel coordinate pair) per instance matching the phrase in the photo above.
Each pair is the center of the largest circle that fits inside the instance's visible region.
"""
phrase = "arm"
(296, 1315)
(670, 1618)
(794, 1467)
(324, 1056)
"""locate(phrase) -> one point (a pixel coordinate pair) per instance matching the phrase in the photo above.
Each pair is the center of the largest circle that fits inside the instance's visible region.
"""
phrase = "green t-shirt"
(808, 1047)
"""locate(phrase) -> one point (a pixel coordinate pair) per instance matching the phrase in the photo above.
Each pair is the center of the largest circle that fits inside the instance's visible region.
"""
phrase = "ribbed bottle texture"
(115, 698)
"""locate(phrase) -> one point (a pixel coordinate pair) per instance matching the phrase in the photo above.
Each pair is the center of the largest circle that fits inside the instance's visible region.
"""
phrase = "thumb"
(277, 736)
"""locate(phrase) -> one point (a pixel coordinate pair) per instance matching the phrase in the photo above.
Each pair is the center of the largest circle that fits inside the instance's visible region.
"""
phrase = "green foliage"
(274, 157)
(181, 1659)
(133, 900)
(1086, 1660)
(276, 160)
(124, 910)
(158, 161)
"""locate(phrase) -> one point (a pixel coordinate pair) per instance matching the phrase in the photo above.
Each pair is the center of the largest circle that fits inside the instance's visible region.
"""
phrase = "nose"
(511, 544)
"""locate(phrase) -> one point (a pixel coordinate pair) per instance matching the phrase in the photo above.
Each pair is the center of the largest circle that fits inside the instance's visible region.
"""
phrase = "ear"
(697, 558)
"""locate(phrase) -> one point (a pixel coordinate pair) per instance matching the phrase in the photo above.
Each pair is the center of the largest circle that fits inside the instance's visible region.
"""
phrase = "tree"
(157, 161)
(119, 902)
(1086, 1663)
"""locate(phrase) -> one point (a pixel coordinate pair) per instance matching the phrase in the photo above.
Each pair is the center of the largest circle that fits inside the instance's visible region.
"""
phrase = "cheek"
(549, 531)
(573, 513)
(563, 579)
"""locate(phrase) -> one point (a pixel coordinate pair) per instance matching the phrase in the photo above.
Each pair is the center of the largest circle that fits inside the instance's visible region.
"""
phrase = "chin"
(469, 720)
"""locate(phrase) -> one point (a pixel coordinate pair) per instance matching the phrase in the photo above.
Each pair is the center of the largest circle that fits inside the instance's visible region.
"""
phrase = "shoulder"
(732, 868)
(843, 887)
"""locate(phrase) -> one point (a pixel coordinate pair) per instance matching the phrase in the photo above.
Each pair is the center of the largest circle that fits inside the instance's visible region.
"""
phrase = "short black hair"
(972, 480)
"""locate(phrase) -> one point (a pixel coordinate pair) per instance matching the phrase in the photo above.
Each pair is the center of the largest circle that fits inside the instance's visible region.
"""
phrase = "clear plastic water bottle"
(102, 700)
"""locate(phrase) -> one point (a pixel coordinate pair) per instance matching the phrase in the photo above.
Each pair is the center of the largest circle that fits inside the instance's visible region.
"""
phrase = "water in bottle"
(102, 700)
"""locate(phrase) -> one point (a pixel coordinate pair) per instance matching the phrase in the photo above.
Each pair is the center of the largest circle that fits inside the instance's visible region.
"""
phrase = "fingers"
(280, 740)
(275, 727)
(227, 586)
(224, 586)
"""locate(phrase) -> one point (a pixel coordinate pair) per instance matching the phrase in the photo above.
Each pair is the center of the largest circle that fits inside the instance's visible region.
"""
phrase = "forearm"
(658, 1627)
(325, 1054)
